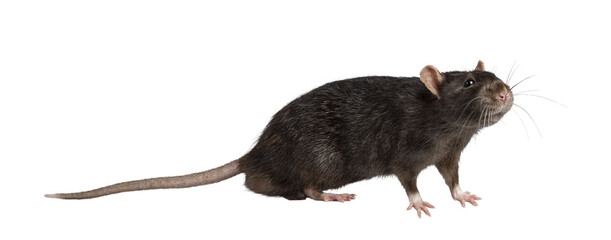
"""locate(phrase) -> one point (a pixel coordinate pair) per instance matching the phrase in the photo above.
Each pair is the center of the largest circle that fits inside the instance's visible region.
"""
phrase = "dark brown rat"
(355, 129)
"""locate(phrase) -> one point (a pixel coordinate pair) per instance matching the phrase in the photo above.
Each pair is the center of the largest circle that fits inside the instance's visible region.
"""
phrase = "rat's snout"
(501, 93)
(501, 97)
(498, 102)
(504, 95)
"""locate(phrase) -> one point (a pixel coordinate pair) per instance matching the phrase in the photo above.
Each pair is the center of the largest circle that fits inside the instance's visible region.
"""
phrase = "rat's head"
(470, 99)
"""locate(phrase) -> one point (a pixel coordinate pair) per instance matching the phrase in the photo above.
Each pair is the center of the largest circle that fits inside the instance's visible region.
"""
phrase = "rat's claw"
(464, 197)
(473, 202)
(421, 207)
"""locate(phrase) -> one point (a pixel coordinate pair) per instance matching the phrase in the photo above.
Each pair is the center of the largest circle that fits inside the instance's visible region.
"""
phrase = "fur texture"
(356, 129)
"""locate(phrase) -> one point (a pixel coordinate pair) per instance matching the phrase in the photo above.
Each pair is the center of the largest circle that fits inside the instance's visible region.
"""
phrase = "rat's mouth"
(502, 110)
(492, 115)
(497, 116)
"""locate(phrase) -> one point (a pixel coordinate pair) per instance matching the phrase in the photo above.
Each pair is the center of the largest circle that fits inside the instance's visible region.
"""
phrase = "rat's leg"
(415, 201)
(295, 196)
(449, 170)
(316, 194)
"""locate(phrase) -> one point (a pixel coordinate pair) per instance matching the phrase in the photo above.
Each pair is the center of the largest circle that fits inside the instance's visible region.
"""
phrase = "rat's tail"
(196, 179)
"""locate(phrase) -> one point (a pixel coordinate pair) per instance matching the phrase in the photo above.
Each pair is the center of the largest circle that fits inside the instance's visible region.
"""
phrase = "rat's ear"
(480, 66)
(431, 78)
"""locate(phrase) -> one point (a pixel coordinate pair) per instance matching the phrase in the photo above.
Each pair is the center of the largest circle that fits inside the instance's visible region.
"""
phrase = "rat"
(356, 129)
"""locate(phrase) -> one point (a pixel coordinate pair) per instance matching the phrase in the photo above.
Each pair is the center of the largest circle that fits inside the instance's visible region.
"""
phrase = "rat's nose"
(504, 96)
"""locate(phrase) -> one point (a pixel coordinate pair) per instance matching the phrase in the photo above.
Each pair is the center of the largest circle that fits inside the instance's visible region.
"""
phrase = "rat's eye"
(469, 82)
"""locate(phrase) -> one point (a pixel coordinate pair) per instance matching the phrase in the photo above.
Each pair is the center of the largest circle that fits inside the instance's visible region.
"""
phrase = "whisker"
(521, 81)
(465, 124)
(509, 74)
(467, 105)
(534, 90)
(490, 118)
(523, 124)
(466, 120)
(487, 117)
(489, 114)
(546, 98)
(479, 121)
(531, 118)
(485, 122)
(514, 71)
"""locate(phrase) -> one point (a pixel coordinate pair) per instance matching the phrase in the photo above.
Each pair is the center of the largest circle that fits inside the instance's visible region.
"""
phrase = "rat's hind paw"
(332, 197)
(314, 193)
(421, 207)
(464, 197)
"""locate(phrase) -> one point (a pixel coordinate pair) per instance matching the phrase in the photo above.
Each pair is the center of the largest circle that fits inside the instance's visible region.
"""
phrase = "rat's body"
(347, 131)
(356, 129)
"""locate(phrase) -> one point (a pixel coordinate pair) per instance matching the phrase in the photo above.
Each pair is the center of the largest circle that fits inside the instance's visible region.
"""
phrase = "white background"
(94, 93)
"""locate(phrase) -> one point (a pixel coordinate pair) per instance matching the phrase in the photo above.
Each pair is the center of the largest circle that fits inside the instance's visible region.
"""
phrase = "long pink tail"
(196, 179)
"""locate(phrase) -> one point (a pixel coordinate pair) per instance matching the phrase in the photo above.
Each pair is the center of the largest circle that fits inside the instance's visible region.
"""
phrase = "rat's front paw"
(464, 197)
(421, 207)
